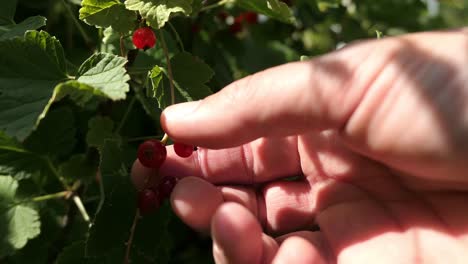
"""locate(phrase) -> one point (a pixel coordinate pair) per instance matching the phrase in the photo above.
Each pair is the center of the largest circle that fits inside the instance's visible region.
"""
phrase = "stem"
(56, 174)
(81, 207)
(50, 196)
(165, 139)
(130, 238)
(122, 48)
(125, 117)
(68, 189)
(77, 24)
(181, 44)
(169, 69)
(215, 5)
(102, 197)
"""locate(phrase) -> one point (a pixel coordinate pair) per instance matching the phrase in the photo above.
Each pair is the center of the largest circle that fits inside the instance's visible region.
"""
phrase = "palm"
(369, 213)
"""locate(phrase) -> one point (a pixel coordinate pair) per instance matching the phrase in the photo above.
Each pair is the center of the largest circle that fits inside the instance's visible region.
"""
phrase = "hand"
(377, 134)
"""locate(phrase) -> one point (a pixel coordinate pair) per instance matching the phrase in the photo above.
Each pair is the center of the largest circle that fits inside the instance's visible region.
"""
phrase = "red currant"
(183, 150)
(152, 153)
(166, 186)
(144, 38)
(148, 201)
(251, 17)
(236, 27)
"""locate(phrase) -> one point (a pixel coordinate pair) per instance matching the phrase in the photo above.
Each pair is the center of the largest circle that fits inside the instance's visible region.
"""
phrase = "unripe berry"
(152, 153)
(144, 38)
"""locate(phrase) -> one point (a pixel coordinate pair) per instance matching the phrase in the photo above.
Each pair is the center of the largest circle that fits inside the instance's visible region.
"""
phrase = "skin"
(376, 135)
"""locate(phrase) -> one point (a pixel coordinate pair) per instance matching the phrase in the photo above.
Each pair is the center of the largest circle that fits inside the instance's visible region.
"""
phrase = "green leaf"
(55, 135)
(105, 73)
(17, 161)
(191, 74)
(273, 8)
(18, 30)
(155, 76)
(158, 12)
(80, 93)
(18, 223)
(113, 222)
(7, 12)
(30, 68)
(108, 13)
(149, 104)
(100, 129)
(72, 254)
(78, 167)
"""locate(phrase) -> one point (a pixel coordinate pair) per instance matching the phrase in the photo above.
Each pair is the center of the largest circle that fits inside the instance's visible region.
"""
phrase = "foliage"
(76, 98)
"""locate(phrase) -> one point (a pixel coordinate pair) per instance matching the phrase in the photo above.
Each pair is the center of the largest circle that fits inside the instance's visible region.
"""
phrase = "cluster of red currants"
(152, 154)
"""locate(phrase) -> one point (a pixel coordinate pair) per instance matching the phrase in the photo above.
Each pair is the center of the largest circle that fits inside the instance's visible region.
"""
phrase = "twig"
(56, 174)
(122, 48)
(46, 197)
(77, 24)
(169, 68)
(81, 207)
(125, 116)
(130, 238)
(181, 44)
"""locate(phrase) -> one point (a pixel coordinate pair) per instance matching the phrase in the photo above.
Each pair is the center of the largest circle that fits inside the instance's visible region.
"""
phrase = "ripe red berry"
(152, 153)
(148, 201)
(236, 27)
(166, 186)
(144, 38)
(251, 17)
(183, 150)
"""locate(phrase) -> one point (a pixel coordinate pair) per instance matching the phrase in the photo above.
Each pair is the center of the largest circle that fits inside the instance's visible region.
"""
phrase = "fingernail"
(180, 111)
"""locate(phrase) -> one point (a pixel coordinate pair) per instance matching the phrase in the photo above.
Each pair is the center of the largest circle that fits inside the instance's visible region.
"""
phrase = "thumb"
(280, 101)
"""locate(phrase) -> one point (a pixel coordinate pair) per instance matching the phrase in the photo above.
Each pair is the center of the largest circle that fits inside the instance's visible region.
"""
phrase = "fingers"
(238, 238)
(296, 249)
(259, 161)
(280, 207)
(195, 201)
(280, 101)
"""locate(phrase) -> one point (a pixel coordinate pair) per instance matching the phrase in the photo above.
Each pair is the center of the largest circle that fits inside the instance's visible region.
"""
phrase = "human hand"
(377, 133)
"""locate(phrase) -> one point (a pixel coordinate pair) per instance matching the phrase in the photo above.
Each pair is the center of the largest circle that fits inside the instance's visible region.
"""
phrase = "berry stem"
(130, 238)
(169, 68)
(165, 139)
(122, 48)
